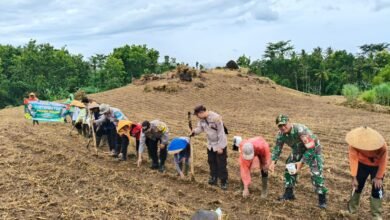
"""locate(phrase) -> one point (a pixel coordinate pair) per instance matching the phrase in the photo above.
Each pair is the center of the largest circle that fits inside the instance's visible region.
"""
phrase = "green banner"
(45, 111)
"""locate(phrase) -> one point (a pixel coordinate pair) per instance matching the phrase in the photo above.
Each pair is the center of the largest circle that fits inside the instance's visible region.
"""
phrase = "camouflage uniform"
(309, 153)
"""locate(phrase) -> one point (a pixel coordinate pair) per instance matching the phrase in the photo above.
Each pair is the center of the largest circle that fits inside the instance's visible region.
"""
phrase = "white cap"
(237, 140)
(247, 151)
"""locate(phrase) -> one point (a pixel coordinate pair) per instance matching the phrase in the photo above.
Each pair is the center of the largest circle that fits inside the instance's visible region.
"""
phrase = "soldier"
(155, 136)
(306, 149)
(249, 150)
(211, 123)
(367, 157)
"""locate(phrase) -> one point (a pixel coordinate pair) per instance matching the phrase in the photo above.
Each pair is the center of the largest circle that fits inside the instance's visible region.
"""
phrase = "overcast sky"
(208, 31)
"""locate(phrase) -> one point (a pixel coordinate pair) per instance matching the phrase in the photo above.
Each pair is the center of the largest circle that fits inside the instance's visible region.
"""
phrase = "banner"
(45, 111)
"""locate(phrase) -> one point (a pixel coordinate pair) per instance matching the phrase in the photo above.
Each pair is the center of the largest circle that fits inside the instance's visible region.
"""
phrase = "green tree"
(113, 74)
(137, 59)
(278, 50)
(383, 75)
(370, 49)
(244, 61)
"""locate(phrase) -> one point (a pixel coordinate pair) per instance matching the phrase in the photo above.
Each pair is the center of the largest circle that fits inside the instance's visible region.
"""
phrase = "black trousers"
(79, 127)
(363, 172)
(111, 137)
(82, 129)
(218, 164)
(153, 152)
(123, 144)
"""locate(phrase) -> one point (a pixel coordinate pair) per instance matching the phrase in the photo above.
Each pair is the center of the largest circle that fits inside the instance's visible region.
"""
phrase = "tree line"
(322, 72)
(53, 73)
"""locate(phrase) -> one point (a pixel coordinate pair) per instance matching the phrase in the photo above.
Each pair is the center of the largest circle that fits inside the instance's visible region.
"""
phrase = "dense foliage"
(322, 72)
(54, 73)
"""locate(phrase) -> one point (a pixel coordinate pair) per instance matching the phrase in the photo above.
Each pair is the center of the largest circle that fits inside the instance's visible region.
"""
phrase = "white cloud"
(207, 30)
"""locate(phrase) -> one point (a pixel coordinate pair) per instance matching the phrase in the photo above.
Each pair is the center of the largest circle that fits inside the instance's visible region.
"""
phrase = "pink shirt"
(263, 154)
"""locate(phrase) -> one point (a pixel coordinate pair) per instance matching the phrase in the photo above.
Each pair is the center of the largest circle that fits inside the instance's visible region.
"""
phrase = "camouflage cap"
(281, 119)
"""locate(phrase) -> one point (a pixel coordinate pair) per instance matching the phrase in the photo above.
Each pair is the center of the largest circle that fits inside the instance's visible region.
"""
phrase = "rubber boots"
(376, 208)
(186, 168)
(322, 201)
(288, 195)
(353, 203)
(264, 187)
(161, 167)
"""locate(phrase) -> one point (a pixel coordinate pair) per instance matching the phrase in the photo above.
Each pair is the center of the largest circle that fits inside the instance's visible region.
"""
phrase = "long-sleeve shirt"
(182, 156)
(376, 158)
(303, 142)
(114, 116)
(213, 127)
(136, 131)
(261, 151)
(158, 131)
(81, 116)
(75, 114)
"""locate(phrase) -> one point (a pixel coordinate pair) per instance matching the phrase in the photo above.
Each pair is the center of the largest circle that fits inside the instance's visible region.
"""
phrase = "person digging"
(154, 136)
(367, 157)
(251, 150)
(126, 130)
(181, 149)
(106, 125)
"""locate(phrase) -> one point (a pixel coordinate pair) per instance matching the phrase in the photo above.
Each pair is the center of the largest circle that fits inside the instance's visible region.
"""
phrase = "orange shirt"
(26, 101)
(376, 158)
(262, 151)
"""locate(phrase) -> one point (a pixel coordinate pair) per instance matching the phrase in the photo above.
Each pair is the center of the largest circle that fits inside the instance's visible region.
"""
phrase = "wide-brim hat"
(93, 105)
(31, 94)
(365, 138)
(104, 108)
(122, 124)
(77, 104)
(177, 145)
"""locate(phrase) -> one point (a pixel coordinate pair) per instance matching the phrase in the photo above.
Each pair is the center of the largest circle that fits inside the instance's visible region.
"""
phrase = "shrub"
(91, 89)
(368, 96)
(382, 92)
(350, 92)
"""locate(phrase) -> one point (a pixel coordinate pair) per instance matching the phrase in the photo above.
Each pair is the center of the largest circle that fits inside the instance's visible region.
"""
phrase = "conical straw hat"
(93, 105)
(365, 138)
(77, 104)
